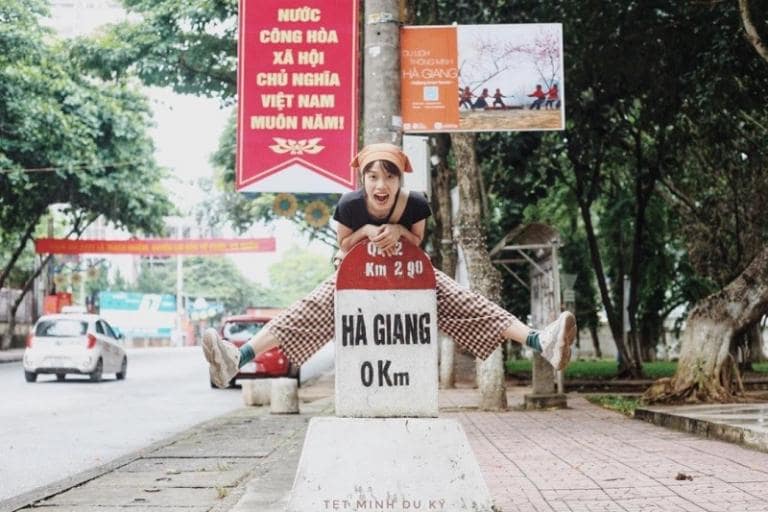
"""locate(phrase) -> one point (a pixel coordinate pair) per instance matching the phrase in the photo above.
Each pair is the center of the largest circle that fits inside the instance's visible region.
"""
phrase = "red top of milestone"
(364, 268)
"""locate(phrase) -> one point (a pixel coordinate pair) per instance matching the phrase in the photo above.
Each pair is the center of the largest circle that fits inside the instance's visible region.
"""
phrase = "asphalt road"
(51, 430)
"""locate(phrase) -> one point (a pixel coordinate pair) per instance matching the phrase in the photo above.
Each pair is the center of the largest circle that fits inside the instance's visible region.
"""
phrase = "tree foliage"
(213, 278)
(189, 45)
(67, 138)
(297, 274)
(217, 278)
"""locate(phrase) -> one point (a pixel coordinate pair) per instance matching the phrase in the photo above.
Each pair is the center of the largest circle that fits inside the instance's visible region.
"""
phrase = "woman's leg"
(301, 330)
(479, 325)
(517, 331)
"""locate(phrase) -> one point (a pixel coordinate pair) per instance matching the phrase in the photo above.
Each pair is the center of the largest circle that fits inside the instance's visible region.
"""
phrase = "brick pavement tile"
(560, 506)
(756, 489)
(723, 506)
(575, 495)
(742, 475)
(704, 486)
(668, 504)
(627, 493)
(594, 506)
(527, 506)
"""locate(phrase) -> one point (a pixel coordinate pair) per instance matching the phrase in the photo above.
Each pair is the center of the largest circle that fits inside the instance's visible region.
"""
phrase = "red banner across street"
(154, 247)
(297, 95)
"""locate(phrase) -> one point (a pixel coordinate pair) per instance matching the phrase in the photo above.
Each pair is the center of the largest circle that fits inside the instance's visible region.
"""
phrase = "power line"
(71, 167)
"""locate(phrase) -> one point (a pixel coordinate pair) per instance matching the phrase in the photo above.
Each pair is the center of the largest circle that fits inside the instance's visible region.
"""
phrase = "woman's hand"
(370, 231)
(386, 237)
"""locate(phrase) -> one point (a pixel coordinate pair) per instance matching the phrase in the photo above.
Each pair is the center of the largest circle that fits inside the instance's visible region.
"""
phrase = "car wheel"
(123, 369)
(61, 376)
(96, 373)
(30, 376)
(294, 372)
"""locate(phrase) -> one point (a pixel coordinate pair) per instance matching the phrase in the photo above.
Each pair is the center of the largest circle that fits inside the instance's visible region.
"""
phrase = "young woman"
(474, 322)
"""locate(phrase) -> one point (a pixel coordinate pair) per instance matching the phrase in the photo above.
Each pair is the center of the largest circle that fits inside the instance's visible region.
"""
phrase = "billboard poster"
(139, 315)
(482, 78)
(297, 96)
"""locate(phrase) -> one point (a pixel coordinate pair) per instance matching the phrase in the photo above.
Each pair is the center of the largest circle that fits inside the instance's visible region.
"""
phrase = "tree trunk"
(595, 341)
(614, 319)
(18, 250)
(706, 371)
(8, 340)
(443, 242)
(484, 278)
(442, 206)
(755, 352)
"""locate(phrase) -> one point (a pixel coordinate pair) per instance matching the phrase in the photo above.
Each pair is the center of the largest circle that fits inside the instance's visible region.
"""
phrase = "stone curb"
(705, 428)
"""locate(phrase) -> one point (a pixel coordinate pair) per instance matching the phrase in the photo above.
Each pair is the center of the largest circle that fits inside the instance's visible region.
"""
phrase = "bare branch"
(750, 31)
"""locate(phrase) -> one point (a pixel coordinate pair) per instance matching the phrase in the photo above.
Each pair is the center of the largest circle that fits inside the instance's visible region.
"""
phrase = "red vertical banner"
(297, 95)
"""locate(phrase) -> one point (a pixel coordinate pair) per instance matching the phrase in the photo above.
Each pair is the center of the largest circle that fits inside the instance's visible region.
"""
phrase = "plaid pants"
(473, 321)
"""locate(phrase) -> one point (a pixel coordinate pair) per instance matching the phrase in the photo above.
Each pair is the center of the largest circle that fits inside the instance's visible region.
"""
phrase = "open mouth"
(381, 199)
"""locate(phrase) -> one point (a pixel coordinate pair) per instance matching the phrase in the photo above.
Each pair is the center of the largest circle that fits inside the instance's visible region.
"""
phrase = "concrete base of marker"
(392, 464)
(284, 396)
(546, 401)
(257, 391)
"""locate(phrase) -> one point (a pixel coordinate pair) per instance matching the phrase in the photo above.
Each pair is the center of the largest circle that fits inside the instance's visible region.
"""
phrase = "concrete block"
(543, 376)
(257, 391)
(390, 464)
(284, 398)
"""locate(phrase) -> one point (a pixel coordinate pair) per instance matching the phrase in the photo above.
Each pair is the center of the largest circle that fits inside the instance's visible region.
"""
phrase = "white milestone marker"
(390, 453)
(386, 334)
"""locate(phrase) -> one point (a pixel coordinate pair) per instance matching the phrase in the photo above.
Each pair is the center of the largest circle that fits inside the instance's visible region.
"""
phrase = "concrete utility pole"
(381, 72)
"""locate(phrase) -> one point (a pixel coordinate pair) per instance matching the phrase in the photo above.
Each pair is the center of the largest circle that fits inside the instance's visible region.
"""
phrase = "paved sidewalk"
(584, 458)
(587, 458)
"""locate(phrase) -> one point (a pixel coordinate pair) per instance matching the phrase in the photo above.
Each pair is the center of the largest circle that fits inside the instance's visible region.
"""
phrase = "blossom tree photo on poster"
(510, 77)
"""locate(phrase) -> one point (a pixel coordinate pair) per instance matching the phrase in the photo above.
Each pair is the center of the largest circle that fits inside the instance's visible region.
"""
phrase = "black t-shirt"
(351, 212)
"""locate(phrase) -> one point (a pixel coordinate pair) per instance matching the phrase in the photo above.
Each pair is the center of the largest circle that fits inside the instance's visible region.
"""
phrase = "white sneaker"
(556, 340)
(222, 356)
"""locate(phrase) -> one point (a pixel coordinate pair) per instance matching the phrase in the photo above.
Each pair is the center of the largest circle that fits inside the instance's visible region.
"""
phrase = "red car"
(272, 363)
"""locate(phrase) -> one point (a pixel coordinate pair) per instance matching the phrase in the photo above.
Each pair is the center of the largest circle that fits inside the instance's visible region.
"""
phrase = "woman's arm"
(389, 234)
(385, 236)
(348, 238)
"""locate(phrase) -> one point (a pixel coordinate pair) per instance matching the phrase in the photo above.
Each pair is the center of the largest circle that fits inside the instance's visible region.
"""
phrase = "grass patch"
(659, 369)
(606, 369)
(599, 370)
(626, 405)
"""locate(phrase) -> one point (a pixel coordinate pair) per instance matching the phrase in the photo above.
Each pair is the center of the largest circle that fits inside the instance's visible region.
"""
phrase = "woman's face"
(381, 189)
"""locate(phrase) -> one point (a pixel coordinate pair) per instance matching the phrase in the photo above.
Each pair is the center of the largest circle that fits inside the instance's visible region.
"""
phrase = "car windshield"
(241, 331)
(61, 327)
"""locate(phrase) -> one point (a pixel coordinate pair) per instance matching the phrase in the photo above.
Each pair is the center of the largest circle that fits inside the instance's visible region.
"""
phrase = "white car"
(74, 343)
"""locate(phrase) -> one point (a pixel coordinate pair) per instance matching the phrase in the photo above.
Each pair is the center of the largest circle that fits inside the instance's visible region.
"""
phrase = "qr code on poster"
(431, 93)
